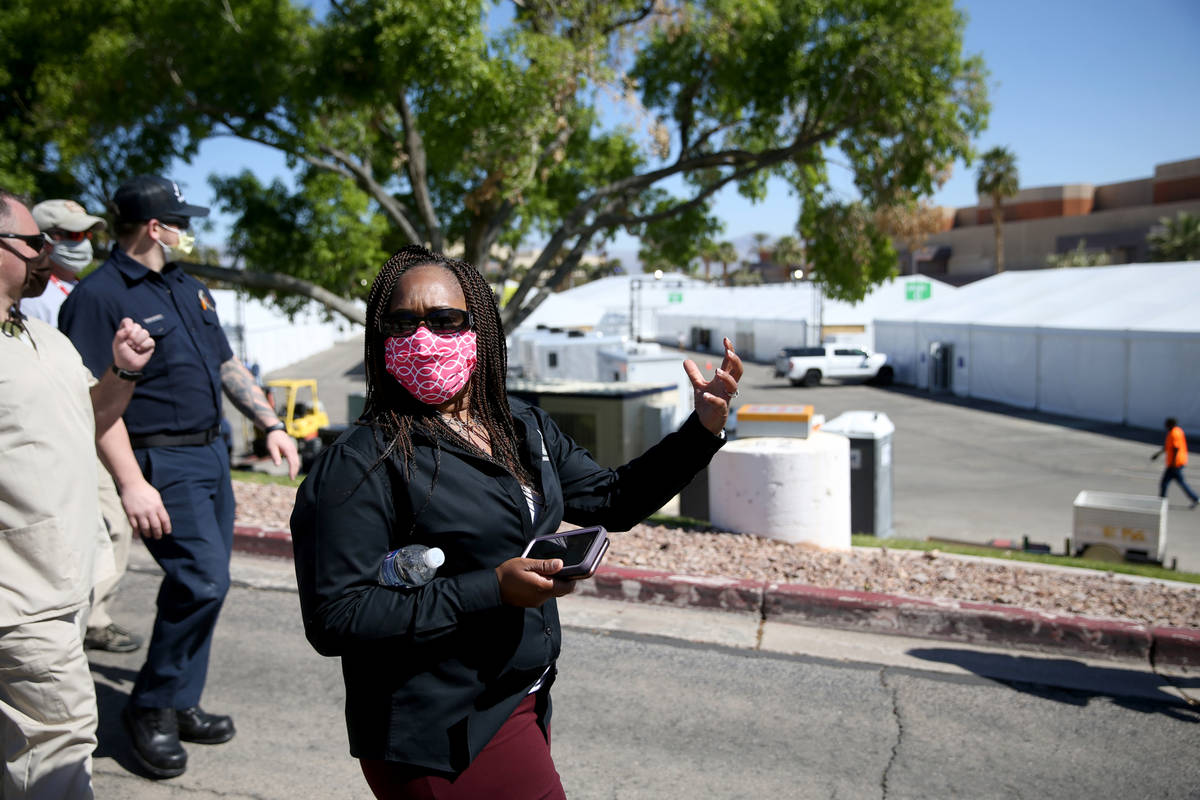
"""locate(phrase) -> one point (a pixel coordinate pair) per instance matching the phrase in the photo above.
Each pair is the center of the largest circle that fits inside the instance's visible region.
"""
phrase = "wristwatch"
(126, 374)
(278, 426)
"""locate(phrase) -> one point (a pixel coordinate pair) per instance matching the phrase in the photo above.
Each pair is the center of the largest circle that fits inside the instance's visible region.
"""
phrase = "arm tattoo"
(242, 391)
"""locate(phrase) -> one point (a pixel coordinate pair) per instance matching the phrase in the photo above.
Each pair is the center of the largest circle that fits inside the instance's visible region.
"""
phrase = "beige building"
(1113, 218)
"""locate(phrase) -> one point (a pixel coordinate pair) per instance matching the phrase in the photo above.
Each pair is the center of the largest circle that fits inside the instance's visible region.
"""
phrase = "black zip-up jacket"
(432, 673)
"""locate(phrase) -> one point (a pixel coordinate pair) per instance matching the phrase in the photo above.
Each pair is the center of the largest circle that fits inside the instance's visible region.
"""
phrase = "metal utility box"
(613, 421)
(1128, 526)
(555, 354)
(647, 363)
(795, 421)
(870, 434)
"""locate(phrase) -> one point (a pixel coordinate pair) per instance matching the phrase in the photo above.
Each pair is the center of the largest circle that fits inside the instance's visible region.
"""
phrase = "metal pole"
(635, 290)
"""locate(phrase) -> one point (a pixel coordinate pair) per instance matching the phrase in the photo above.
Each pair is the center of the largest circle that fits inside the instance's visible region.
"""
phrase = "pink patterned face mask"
(432, 368)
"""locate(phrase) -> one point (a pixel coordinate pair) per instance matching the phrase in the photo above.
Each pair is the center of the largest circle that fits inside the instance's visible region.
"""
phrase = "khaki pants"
(47, 711)
(121, 534)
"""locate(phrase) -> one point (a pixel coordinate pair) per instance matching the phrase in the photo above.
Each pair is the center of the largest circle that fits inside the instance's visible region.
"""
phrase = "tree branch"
(632, 19)
(389, 204)
(514, 314)
(417, 176)
(278, 282)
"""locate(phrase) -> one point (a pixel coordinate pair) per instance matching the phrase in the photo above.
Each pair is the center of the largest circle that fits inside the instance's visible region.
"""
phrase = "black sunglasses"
(442, 321)
(34, 241)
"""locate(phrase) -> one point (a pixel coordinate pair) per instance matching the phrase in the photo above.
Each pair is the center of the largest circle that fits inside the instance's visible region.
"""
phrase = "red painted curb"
(666, 588)
(1178, 647)
(972, 623)
(248, 539)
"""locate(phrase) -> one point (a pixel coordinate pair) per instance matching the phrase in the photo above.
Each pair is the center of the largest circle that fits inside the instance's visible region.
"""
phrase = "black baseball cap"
(151, 197)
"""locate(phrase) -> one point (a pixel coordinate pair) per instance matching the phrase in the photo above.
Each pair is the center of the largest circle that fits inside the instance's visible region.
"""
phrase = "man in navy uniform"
(168, 459)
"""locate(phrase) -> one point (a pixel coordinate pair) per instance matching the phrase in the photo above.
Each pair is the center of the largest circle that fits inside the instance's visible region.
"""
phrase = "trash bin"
(1110, 526)
(870, 435)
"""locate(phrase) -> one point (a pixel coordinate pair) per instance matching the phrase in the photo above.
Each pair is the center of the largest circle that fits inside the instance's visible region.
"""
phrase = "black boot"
(155, 738)
(197, 725)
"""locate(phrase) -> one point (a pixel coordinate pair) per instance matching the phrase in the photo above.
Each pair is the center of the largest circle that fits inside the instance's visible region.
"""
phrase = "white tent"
(762, 319)
(1116, 344)
(583, 307)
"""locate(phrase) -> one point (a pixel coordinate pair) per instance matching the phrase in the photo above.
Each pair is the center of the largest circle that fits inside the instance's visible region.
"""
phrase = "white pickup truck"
(808, 365)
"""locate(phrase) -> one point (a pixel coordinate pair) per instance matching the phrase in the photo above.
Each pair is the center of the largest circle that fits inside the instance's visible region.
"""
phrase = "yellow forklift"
(296, 403)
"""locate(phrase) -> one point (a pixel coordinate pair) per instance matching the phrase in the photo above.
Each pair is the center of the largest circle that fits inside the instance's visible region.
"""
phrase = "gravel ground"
(916, 574)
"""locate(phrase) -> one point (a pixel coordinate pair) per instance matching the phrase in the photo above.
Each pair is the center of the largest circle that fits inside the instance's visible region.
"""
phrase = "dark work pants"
(1175, 474)
(195, 489)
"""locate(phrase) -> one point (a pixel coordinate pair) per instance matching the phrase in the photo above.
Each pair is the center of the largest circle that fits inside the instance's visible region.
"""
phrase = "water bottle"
(410, 566)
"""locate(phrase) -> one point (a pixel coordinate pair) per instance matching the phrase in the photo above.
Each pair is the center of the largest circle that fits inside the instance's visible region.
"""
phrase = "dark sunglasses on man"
(34, 241)
(441, 321)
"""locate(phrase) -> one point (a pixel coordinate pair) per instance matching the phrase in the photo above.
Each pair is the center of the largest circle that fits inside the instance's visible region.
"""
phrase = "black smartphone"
(580, 550)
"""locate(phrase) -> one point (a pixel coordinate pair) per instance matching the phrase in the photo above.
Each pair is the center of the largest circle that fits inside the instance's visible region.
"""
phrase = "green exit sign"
(917, 290)
(675, 297)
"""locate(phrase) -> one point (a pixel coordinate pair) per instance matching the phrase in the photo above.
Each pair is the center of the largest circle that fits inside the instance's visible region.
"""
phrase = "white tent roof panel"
(1129, 296)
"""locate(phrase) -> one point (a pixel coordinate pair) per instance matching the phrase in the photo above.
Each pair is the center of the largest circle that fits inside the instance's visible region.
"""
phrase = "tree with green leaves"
(788, 251)
(998, 179)
(760, 245)
(470, 124)
(1176, 239)
(709, 253)
(727, 254)
(1079, 256)
(910, 222)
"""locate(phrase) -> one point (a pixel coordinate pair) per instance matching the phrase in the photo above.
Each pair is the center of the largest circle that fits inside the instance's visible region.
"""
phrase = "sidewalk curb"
(259, 542)
(950, 620)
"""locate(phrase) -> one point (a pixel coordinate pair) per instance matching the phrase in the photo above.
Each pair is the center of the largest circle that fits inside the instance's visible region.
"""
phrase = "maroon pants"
(515, 765)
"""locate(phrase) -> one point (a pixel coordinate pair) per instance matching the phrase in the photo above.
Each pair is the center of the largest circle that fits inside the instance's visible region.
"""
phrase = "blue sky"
(1082, 91)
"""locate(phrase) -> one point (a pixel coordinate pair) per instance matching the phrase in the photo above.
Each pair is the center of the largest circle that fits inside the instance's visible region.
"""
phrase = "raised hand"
(713, 396)
(132, 346)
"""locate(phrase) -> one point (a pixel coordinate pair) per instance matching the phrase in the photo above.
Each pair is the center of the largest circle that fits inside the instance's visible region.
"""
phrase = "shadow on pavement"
(112, 741)
(1073, 682)
(1143, 435)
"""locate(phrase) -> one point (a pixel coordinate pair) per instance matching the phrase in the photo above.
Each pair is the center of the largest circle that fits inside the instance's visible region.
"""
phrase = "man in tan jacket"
(53, 543)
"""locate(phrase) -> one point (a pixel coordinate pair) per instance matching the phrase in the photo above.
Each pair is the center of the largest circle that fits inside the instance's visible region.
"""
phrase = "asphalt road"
(642, 713)
(977, 471)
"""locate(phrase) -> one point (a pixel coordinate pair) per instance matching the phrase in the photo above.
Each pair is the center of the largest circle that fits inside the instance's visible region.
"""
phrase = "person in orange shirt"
(1176, 449)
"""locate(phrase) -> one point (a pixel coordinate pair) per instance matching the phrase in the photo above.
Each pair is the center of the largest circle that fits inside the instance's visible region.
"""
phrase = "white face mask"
(72, 256)
(185, 245)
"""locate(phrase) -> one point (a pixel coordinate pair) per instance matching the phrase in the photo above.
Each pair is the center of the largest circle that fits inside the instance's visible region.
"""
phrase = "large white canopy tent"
(604, 304)
(760, 320)
(1114, 344)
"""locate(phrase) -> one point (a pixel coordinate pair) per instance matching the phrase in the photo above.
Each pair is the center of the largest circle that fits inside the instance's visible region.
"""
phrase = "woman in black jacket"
(447, 684)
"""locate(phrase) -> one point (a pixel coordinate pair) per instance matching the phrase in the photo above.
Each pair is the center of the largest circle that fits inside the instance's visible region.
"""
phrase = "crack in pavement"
(895, 695)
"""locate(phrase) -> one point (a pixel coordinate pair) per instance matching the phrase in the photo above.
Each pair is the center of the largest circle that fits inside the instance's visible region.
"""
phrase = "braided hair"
(396, 414)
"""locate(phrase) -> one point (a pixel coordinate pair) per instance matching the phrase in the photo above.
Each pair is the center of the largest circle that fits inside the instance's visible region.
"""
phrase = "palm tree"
(708, 254)
(998, 179)
(760, 245)
(726, 254)
(789, 253)
(1176, 239)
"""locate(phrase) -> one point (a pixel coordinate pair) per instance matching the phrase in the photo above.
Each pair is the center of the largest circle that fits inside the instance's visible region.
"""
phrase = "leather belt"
(175, 439)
